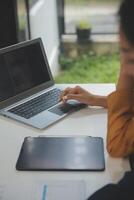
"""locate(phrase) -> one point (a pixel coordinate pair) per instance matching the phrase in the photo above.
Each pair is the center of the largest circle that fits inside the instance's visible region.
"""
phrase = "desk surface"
(91, 121)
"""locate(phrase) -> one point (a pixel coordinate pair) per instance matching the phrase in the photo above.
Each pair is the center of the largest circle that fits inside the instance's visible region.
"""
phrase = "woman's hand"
(83, 96)
(77, 93)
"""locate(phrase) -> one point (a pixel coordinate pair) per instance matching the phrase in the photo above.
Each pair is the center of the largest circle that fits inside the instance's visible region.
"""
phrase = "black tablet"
(61, 153)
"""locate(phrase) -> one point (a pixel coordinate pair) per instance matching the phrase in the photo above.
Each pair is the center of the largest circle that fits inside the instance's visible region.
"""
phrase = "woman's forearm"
(98, 100)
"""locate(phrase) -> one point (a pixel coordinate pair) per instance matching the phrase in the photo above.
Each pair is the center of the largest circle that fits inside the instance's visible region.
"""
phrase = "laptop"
(27, 89)
(78, 153)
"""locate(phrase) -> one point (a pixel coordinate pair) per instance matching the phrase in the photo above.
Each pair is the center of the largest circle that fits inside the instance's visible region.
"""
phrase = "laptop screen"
(22, 69)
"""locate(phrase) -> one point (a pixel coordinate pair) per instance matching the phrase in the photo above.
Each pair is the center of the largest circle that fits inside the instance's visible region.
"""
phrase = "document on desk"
(43, 190)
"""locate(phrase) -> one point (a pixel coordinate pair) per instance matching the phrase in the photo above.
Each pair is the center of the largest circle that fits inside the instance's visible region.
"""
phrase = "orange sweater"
(120, 137)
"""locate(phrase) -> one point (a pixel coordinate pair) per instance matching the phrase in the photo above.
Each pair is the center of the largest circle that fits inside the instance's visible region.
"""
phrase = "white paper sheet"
(43, 190)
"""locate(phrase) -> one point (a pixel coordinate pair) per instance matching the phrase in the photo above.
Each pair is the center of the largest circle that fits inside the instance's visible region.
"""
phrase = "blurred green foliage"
(89, 69)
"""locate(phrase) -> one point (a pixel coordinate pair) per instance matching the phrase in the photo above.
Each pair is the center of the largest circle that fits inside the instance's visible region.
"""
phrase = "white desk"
(90, 121)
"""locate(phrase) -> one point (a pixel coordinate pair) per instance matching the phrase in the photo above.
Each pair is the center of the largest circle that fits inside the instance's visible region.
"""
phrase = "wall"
(44, 24)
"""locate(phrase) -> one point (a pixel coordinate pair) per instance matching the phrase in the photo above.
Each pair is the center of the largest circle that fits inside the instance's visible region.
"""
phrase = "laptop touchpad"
(66, 108)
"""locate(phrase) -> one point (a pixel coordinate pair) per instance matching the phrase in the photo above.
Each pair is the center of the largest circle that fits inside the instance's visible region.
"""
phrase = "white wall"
(44, 24)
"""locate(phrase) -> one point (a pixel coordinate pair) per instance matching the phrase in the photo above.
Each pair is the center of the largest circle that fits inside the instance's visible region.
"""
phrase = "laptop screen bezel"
(35, 89)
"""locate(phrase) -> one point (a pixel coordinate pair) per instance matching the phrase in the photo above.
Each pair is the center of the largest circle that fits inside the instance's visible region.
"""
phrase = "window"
(102, 14)
(23, 27)
(32, 2)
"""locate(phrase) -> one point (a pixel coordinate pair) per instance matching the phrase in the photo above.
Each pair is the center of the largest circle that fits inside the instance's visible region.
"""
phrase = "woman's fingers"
(64, 93)
(71, 96)
(67, 91)
(76, 93)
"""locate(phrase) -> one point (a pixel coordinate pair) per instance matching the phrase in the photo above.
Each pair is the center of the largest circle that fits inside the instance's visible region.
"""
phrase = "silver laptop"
(27, 90)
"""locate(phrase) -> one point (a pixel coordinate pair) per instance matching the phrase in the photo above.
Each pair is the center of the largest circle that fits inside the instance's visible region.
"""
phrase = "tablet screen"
(62, 153)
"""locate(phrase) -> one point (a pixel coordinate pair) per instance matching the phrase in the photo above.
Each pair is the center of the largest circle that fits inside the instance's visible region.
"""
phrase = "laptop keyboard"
(38, 104)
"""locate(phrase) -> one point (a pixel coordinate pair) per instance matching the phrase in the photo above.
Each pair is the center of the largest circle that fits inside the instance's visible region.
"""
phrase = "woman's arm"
(120, 137)
(83, 96)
